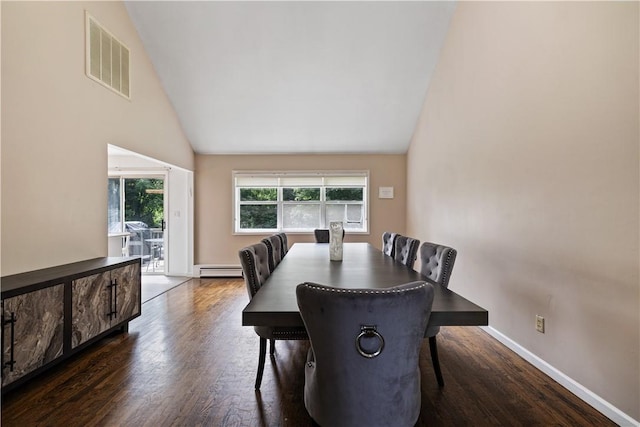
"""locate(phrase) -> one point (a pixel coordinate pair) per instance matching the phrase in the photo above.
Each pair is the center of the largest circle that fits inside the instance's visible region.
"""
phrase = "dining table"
(362, 267)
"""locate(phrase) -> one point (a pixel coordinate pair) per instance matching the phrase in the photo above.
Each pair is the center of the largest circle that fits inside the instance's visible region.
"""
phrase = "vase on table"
(336, 235)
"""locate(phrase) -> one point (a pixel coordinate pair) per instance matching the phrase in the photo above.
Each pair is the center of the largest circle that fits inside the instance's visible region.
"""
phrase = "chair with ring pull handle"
(362, 367)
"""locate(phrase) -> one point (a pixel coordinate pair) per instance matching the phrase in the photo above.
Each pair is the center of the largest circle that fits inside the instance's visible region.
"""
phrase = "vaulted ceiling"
(294, 77)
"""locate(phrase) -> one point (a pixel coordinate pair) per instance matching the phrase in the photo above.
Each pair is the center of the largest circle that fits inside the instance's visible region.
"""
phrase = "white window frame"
(282, 179)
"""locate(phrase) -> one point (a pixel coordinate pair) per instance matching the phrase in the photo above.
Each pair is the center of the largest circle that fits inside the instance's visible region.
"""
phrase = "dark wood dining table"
(362, 266)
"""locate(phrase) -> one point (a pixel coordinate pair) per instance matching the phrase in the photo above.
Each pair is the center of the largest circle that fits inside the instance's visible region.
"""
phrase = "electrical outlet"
(539, 323)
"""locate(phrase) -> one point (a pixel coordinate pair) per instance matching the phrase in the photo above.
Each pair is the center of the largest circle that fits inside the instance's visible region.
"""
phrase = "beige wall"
(56, 124)
(525, 159)
(214, 239)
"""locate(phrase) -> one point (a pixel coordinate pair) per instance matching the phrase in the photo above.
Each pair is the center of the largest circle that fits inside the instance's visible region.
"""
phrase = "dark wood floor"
(187, 361)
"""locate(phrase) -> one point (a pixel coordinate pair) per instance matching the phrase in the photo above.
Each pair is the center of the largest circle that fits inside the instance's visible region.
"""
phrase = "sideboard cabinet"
(50, 314)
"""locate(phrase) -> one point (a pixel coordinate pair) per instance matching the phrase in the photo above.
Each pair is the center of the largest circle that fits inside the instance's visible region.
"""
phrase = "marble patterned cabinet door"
(127, 292)
(98, 305)
(90, 308)
(37, 331)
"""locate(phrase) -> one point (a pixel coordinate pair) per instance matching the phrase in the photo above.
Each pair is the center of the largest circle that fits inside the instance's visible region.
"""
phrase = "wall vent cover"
(107, 59)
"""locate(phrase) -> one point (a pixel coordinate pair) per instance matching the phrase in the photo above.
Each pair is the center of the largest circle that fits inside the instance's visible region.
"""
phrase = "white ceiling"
(294, 77)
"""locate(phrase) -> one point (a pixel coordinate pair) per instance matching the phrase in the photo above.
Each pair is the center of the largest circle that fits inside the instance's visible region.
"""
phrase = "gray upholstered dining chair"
(406, 250)
(321, 235)
(362, 367)
(436, 264)
(274, 246)
(255, 269)
(284, 243)
(388, 240)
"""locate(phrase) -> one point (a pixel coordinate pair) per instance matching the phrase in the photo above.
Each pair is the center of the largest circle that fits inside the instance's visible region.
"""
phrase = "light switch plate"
(385, 192)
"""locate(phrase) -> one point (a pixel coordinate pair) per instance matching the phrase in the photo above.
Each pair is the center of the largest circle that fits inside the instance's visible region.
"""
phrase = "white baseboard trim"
(217, 270)
(597, 402)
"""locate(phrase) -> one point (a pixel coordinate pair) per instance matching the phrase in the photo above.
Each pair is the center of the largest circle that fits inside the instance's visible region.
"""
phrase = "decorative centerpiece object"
(335, 240)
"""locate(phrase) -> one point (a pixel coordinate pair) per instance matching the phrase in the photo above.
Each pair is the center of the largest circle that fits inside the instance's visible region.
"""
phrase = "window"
(299, 201)
(114, 206)
(135, 199)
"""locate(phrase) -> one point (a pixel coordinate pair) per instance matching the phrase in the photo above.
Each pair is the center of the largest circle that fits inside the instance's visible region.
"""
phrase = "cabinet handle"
(12, 322)
(115, 297)
(110, 312)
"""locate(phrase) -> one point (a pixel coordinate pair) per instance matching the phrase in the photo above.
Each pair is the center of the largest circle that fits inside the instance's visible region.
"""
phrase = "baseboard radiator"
(220, 271)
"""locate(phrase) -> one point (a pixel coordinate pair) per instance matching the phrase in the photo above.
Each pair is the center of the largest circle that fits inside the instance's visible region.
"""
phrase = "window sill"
(299, 233)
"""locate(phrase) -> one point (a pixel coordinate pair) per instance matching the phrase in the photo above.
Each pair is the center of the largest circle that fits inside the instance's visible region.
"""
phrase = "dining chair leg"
(272, 347)
(263, 352)
(433, 347)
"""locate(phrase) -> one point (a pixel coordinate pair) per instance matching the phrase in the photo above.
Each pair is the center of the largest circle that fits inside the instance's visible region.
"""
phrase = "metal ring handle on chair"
(369, 332)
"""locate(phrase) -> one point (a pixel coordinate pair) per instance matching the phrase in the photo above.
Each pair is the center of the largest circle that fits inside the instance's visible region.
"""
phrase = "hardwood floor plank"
(187, 361)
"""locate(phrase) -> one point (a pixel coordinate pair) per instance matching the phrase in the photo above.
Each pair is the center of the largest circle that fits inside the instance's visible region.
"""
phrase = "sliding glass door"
(136, 206)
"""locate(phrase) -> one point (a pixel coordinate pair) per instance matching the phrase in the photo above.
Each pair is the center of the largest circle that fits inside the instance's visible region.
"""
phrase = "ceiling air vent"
(107, 59)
